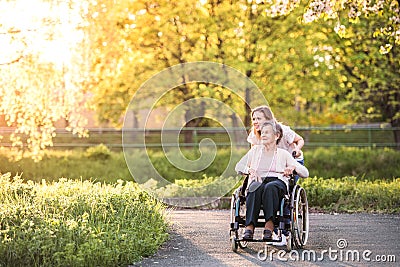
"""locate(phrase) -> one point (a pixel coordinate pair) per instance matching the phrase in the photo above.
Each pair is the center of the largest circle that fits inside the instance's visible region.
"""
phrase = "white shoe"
(282, 243)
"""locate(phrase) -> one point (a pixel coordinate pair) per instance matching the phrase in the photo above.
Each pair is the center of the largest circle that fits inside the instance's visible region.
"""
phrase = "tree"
(349, 11)
(371, 78)
(111, 47)
(162, 35)
(300, 88)
(237, 33)
(40, 76)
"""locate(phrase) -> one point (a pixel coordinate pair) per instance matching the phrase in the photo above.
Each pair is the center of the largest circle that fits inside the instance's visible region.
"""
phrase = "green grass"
(363, 163)
(77, 223)
(72, 164)
(343, 137)
(101, 164)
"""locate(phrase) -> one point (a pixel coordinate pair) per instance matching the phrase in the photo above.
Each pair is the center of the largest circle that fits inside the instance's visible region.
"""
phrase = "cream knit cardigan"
(283, 160)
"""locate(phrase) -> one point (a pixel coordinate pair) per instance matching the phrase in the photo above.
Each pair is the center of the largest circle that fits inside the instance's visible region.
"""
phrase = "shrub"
(77, 223)
(350, 194)
(206, 187)
(365, 163)
(99, 152)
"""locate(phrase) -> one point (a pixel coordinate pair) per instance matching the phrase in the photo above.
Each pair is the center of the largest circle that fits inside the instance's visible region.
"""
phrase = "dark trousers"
(269, 195)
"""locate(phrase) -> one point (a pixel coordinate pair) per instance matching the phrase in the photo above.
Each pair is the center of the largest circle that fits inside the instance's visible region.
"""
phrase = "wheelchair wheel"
(236, 210)
(289, 242)
(242, 244)
(235, 235)
(300, 223)
(234, 244)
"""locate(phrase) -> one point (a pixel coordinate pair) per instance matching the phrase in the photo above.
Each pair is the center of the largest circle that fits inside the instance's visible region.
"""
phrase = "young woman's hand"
(298, 153)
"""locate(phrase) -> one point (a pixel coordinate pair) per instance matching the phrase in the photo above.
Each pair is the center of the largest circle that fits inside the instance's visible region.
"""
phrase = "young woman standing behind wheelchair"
(291, 141)
(268, 167)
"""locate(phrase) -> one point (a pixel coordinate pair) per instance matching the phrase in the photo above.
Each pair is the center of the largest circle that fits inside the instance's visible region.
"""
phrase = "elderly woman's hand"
(288, 170)
(253, 175)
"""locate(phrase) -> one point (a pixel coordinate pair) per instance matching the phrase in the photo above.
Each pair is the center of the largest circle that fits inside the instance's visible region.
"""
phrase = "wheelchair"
(291, 221)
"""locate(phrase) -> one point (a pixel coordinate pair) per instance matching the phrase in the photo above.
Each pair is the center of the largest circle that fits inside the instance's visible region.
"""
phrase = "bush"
(206, 187)
(363, 163)
(99, 152)
(77, 223)
(350, 194)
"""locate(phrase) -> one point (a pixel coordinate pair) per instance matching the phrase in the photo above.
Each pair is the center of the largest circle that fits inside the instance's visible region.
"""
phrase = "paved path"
(201, 238)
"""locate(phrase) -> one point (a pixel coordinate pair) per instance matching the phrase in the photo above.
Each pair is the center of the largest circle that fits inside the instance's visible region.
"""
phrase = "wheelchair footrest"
(260, 240)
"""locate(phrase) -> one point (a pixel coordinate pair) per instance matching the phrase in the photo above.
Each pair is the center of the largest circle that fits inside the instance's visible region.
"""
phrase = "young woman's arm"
(297, 144)
(292, 164)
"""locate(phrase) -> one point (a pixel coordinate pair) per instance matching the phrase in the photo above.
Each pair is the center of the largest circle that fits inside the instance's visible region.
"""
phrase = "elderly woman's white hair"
(276, 128)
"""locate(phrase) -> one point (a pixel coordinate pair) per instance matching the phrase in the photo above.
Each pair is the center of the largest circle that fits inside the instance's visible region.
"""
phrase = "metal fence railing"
(352, 136)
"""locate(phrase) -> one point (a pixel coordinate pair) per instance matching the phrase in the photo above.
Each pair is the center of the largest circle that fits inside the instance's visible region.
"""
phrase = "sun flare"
(47, 29)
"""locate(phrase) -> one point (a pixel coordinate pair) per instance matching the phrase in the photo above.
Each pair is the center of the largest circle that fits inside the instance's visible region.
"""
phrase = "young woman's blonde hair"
(267, 114)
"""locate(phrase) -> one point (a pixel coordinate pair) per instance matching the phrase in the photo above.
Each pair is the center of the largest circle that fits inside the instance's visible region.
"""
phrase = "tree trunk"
(247, 117)
(193, 118)
(396, 132)
(235, 131)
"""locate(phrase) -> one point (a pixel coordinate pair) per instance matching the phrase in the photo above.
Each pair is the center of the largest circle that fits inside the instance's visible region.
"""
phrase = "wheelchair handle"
(244, 185)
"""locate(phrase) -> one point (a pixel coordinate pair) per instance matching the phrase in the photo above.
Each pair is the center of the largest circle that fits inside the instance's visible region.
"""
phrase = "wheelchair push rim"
(300, 222)
(236, 233)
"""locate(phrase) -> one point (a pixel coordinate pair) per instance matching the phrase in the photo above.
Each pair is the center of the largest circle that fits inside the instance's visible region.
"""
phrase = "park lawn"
(100, 164)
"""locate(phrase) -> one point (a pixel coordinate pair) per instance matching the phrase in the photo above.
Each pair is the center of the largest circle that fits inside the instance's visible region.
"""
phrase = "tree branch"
(13, 61)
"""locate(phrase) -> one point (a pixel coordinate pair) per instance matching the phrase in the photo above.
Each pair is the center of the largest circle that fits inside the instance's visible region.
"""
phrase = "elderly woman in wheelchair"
(268, 168)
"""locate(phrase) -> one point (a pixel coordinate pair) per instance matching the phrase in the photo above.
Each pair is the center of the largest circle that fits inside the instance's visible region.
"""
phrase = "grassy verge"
(103, 165)
(363, 163)
(77, 223)
(348, 194)
(97, 164)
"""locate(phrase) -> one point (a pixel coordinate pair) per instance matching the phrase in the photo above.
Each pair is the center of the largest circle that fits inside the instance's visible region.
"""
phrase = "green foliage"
(370, 74)
(278, 54)
(219, 164)
(76, 223)
(350, 194)
(369, 169)
(335, 162)
(347, 194)
(100, 152)
(73, 164)
(365, 163)
(206, 187)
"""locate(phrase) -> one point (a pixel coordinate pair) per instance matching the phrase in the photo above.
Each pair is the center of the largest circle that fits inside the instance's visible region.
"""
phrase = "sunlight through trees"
(59, 58)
